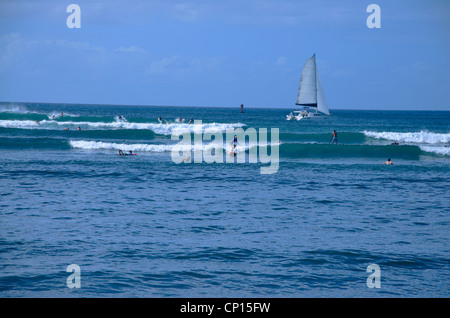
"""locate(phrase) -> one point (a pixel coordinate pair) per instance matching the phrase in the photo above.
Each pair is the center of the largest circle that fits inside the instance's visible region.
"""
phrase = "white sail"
(310, 91)
(321, 102)
(307, 91)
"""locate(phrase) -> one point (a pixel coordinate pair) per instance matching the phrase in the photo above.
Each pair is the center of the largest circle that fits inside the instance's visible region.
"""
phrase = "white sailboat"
(310, 94)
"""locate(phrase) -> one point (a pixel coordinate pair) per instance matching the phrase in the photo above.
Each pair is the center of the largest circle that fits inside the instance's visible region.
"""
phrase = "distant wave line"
(163, 129)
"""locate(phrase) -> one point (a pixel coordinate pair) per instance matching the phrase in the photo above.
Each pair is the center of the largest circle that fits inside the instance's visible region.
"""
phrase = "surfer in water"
(388, 162)
(56, 116)
(334, 137)
(234, 146)
(130, 153)
(234, 150)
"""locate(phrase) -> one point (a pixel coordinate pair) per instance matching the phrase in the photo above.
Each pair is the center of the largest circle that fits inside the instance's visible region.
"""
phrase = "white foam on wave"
(413, 137)
(205, 146)
(100, 145)
(438, 150)
(12, 108)
(26, 124)
(22, 109)
(161, 129)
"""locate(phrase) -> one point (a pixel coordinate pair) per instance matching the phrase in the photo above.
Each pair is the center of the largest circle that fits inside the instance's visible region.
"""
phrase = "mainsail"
(310, 91)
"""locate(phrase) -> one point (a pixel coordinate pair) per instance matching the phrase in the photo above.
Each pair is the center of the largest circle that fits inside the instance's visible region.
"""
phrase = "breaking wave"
(100, 145)
(161, 129)
(438, 150)
(413, 137)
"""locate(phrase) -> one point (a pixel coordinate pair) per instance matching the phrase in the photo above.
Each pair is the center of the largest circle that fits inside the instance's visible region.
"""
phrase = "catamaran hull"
(289, 117)
(304, 115)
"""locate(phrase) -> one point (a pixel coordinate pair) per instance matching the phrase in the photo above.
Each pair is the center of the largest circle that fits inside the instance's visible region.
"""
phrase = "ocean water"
(145, 226)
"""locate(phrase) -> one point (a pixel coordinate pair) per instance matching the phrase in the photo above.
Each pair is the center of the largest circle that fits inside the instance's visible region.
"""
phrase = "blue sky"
(224, 53)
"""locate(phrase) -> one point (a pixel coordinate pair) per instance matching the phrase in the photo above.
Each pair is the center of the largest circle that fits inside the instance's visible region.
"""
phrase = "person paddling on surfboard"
(130, 153)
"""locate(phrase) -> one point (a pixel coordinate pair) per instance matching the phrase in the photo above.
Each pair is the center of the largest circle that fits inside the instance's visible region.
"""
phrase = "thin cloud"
(131, 49)
(282, 60)
(183, 66)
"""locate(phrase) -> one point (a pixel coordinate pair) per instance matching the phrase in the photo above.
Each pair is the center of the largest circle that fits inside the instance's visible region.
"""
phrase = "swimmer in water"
(388, 162)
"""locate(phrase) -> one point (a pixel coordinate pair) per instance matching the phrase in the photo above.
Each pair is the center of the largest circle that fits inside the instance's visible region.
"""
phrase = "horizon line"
(205, 106)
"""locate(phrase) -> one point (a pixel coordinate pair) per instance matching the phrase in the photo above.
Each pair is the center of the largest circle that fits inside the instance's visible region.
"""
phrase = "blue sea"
(147, 226)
